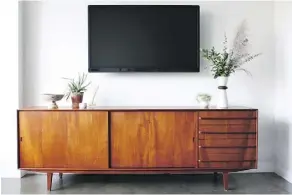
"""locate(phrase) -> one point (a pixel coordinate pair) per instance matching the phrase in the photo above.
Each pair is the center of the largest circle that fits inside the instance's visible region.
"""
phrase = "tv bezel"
(150, 69)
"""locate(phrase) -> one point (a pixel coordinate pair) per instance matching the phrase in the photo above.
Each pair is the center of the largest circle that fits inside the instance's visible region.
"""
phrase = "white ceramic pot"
(222, 81)
(203, 100)
(82, 105)
(204, 104)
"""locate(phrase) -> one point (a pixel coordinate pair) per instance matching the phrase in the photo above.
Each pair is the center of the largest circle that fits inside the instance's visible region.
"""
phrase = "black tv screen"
(144, 38)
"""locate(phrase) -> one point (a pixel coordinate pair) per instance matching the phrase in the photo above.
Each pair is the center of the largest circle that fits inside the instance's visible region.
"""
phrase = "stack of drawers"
(227, 139)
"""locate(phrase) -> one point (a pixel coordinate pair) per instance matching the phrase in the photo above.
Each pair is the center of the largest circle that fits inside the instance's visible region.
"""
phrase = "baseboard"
(10, 174)
(286, 174)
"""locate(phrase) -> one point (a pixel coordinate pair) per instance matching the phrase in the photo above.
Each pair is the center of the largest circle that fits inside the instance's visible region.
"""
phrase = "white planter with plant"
(204, 100)
(76, 89)
(227, 62)
(222, 80)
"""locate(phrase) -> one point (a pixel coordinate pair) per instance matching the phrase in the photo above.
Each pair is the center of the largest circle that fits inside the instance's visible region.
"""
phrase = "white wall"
(10, 89)
(283, 105)
(55, 45)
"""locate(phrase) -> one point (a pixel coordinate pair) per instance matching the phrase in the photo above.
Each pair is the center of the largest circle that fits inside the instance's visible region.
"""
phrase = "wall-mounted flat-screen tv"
(144, 38)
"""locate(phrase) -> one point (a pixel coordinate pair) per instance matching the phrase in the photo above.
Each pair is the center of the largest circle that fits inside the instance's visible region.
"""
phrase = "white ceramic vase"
(222, 81)
(222, 87)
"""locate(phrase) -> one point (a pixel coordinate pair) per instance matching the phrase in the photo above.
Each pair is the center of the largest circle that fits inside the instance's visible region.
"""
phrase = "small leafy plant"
(77, 86)
(226, 63)
(204, 97)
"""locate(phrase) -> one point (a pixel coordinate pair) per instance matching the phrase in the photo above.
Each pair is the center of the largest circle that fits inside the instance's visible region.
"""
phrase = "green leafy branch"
(225, 63)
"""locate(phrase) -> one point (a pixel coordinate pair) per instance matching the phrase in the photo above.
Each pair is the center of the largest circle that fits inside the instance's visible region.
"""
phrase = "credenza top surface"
(141, 108)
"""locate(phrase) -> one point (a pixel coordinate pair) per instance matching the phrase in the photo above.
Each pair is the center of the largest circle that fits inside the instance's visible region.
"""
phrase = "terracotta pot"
(76, 100)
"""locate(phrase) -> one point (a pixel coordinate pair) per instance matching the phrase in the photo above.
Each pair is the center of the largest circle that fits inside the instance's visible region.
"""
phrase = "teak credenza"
(137, 140)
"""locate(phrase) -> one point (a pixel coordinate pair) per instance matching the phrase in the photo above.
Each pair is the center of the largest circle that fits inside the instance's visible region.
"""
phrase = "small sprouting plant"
(77, 86)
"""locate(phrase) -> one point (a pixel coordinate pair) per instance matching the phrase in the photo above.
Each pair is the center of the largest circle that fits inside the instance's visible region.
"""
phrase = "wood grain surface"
(137, 141)
(227, 114)
(227, 154)
(88, 135)
(30, 140)
(226, 136)
(229, 143)
(227, 122)
(228, 165)
(54, 139)
(63, 139)
(229, 128)
(153, 139)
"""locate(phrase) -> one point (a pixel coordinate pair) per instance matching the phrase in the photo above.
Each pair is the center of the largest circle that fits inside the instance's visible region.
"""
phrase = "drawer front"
(227, 122)
(227, 114)
(228, 143)
(227, 154)
(228, 165)
(226, 136)
(251, 127)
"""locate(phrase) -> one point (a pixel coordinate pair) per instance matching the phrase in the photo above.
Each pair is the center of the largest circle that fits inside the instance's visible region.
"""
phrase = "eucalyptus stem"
(227, 62)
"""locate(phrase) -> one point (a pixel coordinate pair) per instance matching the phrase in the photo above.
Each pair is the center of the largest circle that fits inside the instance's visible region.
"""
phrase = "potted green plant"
(227, 62)
(76, 89)
(204, 100)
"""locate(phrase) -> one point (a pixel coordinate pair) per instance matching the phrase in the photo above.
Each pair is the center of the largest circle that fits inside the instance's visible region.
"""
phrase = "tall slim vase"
(222, 87)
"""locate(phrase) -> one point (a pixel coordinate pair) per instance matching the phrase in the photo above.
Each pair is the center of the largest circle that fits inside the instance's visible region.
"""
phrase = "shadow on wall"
(205, 38)
(282, 147)
(30, 30)
(266, 135)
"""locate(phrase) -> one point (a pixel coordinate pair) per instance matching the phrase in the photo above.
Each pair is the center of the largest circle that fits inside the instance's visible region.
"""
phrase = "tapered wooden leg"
(61, 175)
(49, 181)
(225, 180)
